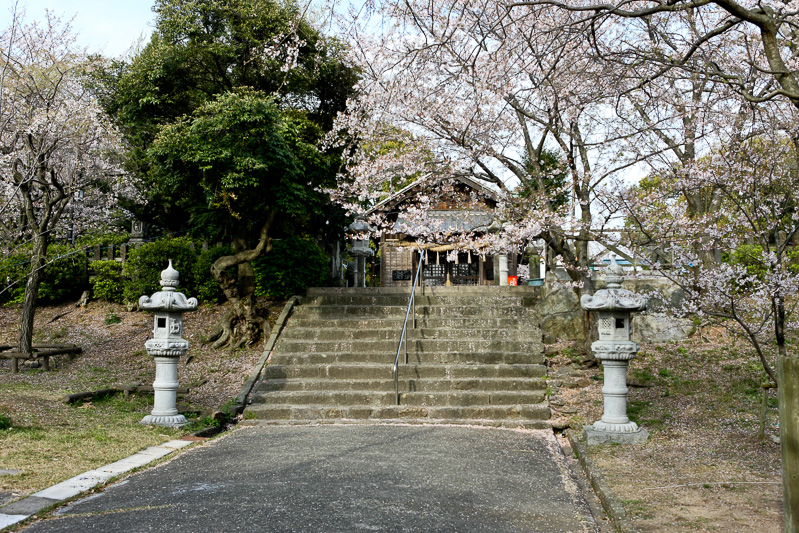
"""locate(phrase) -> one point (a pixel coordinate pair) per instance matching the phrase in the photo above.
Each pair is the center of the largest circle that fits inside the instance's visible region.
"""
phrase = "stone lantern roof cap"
(359, 225)
(168, 299)
(614, 298)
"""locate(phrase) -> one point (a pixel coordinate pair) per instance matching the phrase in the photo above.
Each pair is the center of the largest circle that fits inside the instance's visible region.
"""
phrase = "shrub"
(63, 274)
(88, 242)
(750, 256)
(206, 287)
(64, 277)
(142, 271)
(107, 281)
(293, 265)
(14, 271)
(5, 422)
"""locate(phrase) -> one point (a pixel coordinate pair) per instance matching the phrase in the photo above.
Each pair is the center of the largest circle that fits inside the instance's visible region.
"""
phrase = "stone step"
(375, 398)
(421, 300)
(533, 357)
(387, 311)
(385, 371)
(476, 356)
(421, 322)
(518, 423)
(386, 384)
(370, 333)
(534, 413)
(416, 346)
(456, 291)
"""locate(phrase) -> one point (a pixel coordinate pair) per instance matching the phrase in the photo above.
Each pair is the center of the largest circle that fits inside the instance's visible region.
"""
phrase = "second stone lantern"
(166, 346)
(360, 249)
(614, 348)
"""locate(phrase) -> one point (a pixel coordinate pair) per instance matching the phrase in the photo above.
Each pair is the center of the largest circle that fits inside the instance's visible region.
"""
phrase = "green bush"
(206, 287)
(107, 283)
(749, 256)
(63, 274)
(293, 265)
(5, 422)
(65, 277)
(142, 271)
(104, 240)
(14, 271)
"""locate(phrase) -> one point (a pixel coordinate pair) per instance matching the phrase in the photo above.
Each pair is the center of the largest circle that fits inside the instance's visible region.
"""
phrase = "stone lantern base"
(594, 436)
(174, 421)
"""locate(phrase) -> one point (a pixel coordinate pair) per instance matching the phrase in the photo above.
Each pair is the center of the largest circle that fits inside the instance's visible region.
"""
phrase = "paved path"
(345, 478)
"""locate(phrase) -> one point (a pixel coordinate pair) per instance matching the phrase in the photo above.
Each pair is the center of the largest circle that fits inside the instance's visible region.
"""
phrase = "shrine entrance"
(467, 269)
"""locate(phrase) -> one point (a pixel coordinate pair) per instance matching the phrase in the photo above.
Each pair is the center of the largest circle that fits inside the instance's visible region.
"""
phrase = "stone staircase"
(475, 357)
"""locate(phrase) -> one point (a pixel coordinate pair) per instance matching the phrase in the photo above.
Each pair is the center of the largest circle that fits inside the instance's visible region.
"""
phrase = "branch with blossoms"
(753, 287)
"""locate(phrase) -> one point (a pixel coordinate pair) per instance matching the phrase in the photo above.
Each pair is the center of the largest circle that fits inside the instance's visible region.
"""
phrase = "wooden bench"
(40, 351)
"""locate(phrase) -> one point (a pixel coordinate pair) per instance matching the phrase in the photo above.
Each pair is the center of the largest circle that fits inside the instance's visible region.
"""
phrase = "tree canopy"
(224, 111)
(201, 50)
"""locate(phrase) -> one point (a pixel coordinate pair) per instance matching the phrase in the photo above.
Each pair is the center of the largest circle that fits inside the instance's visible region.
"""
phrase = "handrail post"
(406, 349)
(404, 335)
(413, 298)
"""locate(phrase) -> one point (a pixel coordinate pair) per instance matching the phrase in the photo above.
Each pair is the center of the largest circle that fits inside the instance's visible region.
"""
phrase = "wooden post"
(98, 253)
(110, 252)
(763, 414)
(788, 375)
(123, 252)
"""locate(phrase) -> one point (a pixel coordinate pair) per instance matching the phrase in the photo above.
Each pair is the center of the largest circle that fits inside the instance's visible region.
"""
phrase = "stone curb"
(612, 506)
(240, 401)
(25, 508)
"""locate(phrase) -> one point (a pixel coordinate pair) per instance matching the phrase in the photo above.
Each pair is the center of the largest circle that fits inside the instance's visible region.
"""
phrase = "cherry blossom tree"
(481, 90)
(747, 46)
(54, 140)
(480, 105)
(753, 290)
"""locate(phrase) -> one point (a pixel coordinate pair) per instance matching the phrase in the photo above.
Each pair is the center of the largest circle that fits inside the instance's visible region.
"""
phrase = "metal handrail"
(403, 336)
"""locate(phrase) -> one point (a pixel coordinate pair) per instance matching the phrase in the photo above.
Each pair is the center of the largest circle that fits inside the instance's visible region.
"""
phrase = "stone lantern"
(360, 249)
(613, 307)
(166, 346)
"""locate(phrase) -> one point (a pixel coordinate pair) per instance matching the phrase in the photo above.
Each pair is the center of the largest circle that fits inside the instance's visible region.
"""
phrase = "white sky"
(109, 27)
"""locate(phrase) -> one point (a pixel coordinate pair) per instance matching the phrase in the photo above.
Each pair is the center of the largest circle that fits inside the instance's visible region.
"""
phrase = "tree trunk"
(242, 324)
(32, 293)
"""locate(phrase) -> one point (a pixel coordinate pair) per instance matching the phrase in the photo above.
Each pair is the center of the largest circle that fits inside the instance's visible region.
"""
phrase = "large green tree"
(223, 111)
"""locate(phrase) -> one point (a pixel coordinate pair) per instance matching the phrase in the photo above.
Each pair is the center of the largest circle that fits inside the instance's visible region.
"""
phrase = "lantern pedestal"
(165, 412)
(615, 427)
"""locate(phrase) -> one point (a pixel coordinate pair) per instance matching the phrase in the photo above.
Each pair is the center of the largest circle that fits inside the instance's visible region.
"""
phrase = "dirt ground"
(704, 467)
(113, 339)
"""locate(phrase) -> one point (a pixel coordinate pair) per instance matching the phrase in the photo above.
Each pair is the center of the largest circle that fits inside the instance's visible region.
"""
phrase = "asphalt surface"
(342, 479)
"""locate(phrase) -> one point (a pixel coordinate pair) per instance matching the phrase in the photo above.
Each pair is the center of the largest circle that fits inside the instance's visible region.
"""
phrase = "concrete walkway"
(345, 478)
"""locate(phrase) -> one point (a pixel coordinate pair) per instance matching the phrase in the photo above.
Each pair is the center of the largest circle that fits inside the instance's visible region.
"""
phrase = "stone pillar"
(503, 270)
(614, 349)
(166, 346)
